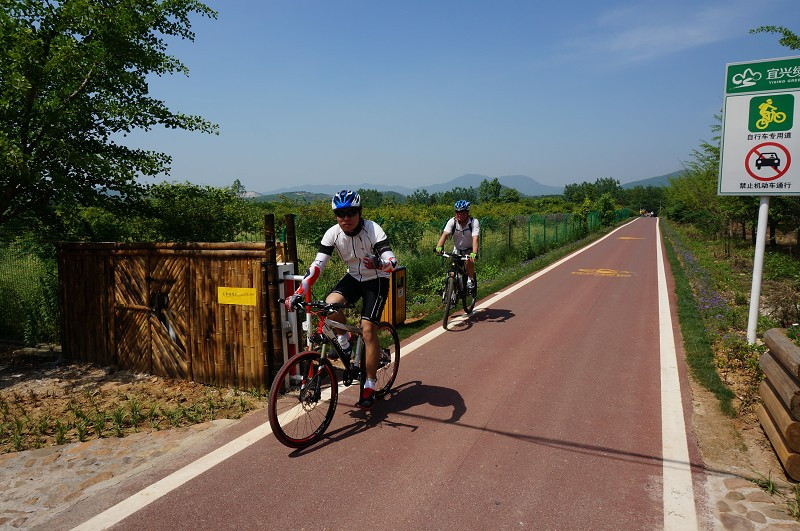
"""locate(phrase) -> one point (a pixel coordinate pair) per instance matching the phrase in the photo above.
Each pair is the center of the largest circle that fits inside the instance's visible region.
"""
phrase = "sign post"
(760, 139)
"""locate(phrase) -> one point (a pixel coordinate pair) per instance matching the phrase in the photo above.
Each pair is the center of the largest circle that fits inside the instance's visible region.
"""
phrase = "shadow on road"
(463, 322)
(403, 397)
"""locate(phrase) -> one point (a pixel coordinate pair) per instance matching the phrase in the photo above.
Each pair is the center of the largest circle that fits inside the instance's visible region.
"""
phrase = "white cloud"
(646, 31)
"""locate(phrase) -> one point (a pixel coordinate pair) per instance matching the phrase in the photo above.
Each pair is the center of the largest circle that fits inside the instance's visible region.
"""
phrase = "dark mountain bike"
(455, 286)
(305, 391)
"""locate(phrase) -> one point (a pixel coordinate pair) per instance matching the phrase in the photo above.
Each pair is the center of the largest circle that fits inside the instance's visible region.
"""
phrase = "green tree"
(577, 193)
(421, 197)
(370, 198)
(187, 212)
(509, 195)
(73, 83)
(607, 185)
(789, 39)
(489, 191)
(459, 192)
(606, 207)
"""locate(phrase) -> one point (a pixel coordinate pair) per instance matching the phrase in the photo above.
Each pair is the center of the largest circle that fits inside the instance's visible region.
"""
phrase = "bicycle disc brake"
(310, 393)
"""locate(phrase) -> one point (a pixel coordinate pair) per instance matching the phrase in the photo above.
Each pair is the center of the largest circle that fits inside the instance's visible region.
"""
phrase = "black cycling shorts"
(374, 293)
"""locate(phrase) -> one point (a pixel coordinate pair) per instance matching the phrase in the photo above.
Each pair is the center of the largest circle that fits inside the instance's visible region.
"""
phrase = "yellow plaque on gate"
(240, 296)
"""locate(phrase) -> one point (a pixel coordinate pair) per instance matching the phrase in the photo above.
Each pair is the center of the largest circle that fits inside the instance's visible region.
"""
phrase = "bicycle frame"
(325, 335)
(457, 268)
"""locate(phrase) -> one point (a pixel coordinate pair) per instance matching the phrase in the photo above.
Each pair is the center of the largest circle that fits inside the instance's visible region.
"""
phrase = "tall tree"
(73, 82)
(489, 191)
(789, 39)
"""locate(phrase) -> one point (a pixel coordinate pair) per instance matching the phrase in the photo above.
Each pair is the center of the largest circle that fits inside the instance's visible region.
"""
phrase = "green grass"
(696, 343)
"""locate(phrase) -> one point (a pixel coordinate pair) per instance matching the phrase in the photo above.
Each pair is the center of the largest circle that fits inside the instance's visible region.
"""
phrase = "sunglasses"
(345, 212)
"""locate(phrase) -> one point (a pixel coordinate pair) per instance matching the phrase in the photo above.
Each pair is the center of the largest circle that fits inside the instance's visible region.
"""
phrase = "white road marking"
(678, 494)
(679, 507)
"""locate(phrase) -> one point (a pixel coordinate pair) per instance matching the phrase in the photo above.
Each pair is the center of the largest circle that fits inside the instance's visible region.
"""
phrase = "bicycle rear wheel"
(448, 300)
(389, 361)
(302, 400)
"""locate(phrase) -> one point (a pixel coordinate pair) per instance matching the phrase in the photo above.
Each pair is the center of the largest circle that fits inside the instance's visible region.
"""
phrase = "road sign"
(761, 128)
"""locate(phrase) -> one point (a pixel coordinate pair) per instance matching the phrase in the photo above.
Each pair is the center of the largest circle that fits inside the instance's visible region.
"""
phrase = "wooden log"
(785, 386)
(789, 459)
(784, 350)
(785, 424)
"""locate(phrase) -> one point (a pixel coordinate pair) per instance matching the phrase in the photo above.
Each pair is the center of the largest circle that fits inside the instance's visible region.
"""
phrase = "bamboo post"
(291, 242)
(271, 308)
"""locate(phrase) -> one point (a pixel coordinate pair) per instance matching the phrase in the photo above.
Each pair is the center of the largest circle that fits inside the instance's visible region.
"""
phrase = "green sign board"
(775, 74)
(760, 150)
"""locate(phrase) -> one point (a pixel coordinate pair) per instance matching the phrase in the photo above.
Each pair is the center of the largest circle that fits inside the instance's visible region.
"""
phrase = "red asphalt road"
(541, 411)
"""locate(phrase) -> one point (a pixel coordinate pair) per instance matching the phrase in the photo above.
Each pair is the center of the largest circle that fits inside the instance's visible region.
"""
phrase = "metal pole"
(758, 269)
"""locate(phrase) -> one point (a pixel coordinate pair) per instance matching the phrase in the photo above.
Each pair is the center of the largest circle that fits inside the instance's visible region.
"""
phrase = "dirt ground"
(45, 400)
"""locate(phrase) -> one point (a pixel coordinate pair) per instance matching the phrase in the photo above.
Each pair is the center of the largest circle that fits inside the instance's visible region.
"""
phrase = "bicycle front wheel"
(470, 295)
(389, 361)
(448, 300)
(302, 400)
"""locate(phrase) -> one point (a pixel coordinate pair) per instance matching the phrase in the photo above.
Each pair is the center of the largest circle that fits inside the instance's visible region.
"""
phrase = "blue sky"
(419, 92)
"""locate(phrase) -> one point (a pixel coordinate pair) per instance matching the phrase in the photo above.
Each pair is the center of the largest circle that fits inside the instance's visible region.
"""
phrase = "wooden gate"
(150, 314)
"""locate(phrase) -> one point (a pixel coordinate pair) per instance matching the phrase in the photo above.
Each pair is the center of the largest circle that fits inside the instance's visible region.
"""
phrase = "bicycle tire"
(389, 362)
(469, 295)
(300, 413)
(448, 300)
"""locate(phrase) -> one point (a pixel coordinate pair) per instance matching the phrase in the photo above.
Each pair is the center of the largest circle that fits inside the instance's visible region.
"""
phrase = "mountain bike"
(305, 391)
(455, 286)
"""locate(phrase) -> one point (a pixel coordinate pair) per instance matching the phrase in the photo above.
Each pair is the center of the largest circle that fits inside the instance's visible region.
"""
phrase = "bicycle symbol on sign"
(768, 114)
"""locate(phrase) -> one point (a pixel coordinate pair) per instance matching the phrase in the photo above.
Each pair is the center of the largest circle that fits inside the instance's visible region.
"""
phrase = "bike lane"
(542, 409)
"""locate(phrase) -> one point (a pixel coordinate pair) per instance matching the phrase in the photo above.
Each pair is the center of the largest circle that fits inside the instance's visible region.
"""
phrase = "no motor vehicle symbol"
(770, 159)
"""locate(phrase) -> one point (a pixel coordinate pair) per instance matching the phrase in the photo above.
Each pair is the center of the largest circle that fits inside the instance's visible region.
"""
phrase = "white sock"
(370, 384)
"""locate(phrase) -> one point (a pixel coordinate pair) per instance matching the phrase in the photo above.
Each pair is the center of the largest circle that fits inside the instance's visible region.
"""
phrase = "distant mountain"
(661, 180)
(330, 189)
(308, 197)
(524, 185)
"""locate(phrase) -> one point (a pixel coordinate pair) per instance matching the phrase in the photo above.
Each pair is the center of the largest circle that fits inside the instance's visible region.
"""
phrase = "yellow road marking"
(603, 272)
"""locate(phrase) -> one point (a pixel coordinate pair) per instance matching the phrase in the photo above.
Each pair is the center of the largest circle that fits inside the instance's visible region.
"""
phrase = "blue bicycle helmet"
(346, 199)
(461, 205)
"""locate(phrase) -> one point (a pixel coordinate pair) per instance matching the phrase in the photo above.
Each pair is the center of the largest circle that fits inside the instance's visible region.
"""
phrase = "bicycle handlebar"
(462, 257)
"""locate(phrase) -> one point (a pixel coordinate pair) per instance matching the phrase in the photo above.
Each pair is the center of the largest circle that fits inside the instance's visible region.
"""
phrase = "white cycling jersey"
(367, 241)
(462, 235)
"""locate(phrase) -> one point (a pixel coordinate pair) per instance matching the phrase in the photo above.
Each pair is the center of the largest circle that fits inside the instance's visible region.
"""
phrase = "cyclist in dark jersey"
(365, 249)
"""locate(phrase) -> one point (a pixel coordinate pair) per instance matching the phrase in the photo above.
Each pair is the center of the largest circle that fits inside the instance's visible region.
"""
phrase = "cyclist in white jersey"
(365, 249)
(465, 230)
